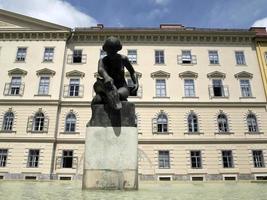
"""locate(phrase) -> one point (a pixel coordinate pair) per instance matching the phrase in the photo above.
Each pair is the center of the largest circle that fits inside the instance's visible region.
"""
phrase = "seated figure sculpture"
(111, 87)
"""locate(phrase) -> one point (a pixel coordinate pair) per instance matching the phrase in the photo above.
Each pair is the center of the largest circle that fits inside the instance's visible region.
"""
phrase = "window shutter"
(154, 125)
(46, 124)
(58, 162)
(30, 124)
(66, 91)
(69, 59)
(179, 59)
(75, 163)
(21, 89)
(84, 58)
(140, 91)
(225, 90)
(194, 59)
(7, 89)
(81, 89)
(211, 92)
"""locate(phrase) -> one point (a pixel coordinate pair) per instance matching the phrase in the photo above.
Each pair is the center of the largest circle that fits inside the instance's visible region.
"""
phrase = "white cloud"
(260, 23)
(56, 11)
(161, 2)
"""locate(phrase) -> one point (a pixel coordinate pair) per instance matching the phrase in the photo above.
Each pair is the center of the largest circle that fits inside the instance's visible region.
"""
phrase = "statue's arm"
(131, 70)
(102, 72)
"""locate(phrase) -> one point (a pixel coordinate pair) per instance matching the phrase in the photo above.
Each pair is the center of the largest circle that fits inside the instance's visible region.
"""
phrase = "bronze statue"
(111, 87)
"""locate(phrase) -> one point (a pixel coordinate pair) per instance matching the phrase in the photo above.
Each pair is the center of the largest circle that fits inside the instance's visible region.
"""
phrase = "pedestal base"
(111, 153)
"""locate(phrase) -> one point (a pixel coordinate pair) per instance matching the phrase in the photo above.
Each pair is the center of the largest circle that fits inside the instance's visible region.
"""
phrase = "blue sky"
(145, 13)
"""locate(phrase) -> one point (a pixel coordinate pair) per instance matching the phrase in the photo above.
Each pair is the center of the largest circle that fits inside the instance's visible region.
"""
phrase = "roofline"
(34, 20)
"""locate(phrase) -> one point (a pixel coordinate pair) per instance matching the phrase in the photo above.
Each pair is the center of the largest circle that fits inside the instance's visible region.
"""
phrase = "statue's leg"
(99, 98)
(124, 93)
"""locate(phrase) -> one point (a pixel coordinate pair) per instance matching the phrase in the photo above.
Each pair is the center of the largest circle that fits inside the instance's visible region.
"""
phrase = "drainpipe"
(263, 73)
(53, 157)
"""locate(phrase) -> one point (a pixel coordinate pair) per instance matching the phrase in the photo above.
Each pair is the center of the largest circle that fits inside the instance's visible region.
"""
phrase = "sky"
(144, 13)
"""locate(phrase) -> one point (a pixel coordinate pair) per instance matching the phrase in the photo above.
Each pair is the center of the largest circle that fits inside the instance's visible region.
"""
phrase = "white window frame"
(43, 88)
(159, 57)
(214, 57)
(49, 55)
(189, 89)
(132, 56)
(240, 58)
(161, 87)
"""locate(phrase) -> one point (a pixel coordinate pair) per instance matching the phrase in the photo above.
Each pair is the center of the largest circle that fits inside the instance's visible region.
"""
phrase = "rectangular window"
(44, 85)
(33, 158)
(159, 57)
(77, 56)
(15, 85)
(3, 157)
(186, 57)
(74, 87)
(213, 57)
(258, 158)
(227, 158)
(196, 159)
(265, 57)
(21, 54)
(240, 58)
(67, 158)
(48, 54)
(164, 159)
(160, 88)
(132, 56)
(189, 88)
(245, 88)
(102, 53)
(218, 89)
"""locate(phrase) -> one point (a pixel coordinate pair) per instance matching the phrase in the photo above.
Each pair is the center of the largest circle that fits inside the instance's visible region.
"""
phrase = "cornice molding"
(160, 74)
(33, 35)
(17, 71)
(243, 74)
(188, 74)
(75, 73)
(216, 74)
(163, 36)
(45, 71)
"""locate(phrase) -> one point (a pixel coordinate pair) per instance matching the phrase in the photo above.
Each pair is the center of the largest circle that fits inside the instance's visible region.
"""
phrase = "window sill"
(19, 61)
(194, 133)
(8, 132)
(187, 64)
(241, 65)
(187, 97)
(42, 95)
(13, 95)
(219, 97)
(224, 133)
(78, 63)
(254, 133)
(48, 61)
(161, 97)
(160, 64)
(214, 65)
(162, 133)
(139, 97)
(69, 133)
(247, 97)
(37, 132)
(73, 97)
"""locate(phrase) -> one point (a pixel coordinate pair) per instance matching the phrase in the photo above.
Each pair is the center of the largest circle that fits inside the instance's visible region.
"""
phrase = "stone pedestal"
(111, 149)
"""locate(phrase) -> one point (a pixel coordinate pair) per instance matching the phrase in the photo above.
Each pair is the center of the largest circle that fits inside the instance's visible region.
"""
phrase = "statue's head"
(112, 44)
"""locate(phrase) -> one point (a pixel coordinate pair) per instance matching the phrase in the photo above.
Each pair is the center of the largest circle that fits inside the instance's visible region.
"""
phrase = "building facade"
(200, 108)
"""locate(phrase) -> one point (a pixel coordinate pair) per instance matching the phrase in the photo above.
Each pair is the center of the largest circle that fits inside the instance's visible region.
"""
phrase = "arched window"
(38, 122)
(70, 124)
(252, 123)
(162, 123)
(8, 121)
(192, 123)
(222, 123)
